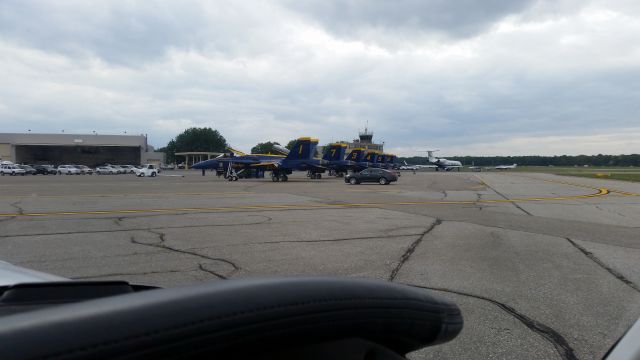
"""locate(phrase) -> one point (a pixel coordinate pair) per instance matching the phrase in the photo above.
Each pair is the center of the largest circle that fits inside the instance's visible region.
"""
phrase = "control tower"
(365, 141)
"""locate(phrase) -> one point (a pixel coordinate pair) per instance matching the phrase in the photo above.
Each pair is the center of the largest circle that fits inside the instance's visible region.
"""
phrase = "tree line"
(207, 139)
(194, 139)
(562, 160)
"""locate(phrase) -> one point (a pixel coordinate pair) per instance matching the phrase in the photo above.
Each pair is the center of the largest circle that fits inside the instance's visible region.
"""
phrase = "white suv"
(68, 170)
(11, 169)
(147, 170)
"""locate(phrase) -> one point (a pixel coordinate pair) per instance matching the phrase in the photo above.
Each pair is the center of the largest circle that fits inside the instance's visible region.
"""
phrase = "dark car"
(45, 169)
(28, 170)
(381, 176)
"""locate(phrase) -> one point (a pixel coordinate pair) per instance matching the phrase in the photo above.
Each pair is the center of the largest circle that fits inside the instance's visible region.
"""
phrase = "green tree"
(265, 148)
(195, 139)
(290, 144)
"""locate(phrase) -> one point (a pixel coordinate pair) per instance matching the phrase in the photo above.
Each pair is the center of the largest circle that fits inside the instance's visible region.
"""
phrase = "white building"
(81, 149)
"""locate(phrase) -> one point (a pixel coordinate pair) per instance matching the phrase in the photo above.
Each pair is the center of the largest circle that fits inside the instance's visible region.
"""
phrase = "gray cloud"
(133, 33)
(460, 18)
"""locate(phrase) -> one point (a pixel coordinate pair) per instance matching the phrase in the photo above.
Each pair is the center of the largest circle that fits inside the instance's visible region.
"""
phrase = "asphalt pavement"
(543, 266)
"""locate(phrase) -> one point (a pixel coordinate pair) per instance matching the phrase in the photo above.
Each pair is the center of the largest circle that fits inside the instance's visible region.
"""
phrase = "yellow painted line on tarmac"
(601, 192)
(625, 193)
(125, 195)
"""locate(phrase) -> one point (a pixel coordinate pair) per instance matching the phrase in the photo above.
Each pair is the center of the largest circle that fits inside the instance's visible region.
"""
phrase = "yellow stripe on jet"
(237, 152)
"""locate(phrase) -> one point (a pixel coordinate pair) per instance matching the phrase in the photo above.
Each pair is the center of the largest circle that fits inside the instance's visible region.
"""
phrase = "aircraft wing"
(270, 165)
(239, 161)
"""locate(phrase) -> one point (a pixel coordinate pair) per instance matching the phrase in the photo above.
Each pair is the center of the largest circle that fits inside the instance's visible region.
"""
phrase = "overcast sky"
(468, 77)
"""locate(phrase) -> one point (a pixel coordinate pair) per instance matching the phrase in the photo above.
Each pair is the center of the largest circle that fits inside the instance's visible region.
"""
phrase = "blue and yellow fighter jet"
(370, 159)
(361, 157)
(338, 165)
(381, 161)
(300, 158)
(392, 162)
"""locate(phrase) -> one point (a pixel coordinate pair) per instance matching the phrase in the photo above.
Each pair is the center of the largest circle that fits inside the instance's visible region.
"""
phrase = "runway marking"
(601, 192)
(625, 193)
(125, 195)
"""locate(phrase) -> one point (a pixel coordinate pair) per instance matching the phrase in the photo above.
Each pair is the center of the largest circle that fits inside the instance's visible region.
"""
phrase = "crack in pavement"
(606, 267)
(117, 221)
(407, 254)
(333, 240)
(506, 198)
(190, 213)
(86, 257)
(565, 351)
(478, 199)
(266, 220)
(597, 206)
(209, 271)
(513, 225)
(253, 186)
(17, 206)
(126, 218)
(162, 245)
(128, 274)
(444, 194)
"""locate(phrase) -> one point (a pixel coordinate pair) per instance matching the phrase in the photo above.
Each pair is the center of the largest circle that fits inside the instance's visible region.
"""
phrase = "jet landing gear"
(231, 174)
(313, 175)
(275, 177)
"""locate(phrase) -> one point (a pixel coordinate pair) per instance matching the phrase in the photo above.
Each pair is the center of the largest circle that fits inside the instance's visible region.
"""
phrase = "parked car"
(85, 169)
(28, 170)
(80, 170)
(11, 169)
(105, 170)
(147, 170)
(130, 169)
(381, 176)
(45, 169)
(68, 170)
(119, 169)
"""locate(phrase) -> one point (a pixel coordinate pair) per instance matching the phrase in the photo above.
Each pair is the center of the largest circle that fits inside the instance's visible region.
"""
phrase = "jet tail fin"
(355, 155)
(303, 149)
(335, 152)
(392, 159)
(371, 157)
(430, 155)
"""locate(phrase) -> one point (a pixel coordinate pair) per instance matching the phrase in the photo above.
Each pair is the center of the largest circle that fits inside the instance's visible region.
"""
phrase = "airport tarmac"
(543, 266)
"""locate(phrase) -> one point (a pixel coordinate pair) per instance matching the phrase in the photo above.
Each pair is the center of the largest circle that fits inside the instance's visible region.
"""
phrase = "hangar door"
(77, 154)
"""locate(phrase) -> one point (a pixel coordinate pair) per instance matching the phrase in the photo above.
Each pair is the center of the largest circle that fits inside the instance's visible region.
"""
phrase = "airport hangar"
(82, 149)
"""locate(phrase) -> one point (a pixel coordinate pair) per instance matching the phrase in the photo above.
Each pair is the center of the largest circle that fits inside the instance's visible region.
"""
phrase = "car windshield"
(484, 152)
